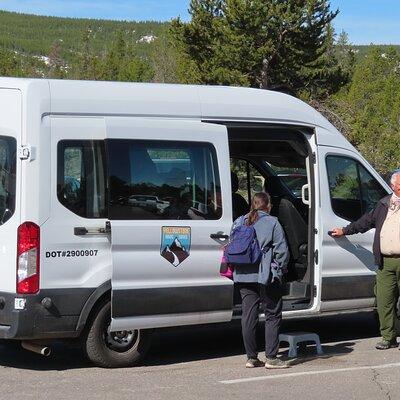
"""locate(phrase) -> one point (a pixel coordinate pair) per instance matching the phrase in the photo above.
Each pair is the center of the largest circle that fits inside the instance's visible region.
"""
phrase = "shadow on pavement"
(309, 353)
(178, 345)
(336, 328)
(205, 342)
(64, 357)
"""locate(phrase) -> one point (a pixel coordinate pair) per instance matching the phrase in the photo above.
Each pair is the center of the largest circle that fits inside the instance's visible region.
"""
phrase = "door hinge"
(316, 257)
(26, 152)
(313, 158)
(315, 291)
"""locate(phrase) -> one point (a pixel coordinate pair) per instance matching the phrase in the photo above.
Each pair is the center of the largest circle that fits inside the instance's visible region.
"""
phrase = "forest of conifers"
(270, 45)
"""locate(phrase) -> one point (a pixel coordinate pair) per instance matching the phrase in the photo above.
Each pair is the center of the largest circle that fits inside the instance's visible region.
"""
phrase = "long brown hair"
(260, 202)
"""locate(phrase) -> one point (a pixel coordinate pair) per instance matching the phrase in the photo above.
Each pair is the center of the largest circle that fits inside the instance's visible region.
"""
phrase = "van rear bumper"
(35, 321)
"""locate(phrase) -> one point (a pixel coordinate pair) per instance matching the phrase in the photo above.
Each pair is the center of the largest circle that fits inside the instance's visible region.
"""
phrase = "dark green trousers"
(387, 291)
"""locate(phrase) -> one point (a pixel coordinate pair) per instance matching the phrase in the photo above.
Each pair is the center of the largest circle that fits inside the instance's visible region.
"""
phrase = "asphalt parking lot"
(207, 362)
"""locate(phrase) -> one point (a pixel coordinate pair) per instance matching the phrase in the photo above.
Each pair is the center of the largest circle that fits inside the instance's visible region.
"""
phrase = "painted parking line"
(294, 374)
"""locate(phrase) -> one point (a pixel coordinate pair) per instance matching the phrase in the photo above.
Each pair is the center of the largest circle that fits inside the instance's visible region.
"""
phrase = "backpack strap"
(267, 247)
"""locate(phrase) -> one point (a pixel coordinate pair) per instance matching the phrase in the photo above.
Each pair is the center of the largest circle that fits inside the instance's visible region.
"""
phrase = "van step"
(297, 290)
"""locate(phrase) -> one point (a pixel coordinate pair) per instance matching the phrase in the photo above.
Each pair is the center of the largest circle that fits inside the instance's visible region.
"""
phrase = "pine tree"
(197, 41)
(114, 58)
(265, 44)
(371, 107)
(135, 68)
(164, 60)
(121, 63)
(87, 63)
(345, 54)
(56, 64)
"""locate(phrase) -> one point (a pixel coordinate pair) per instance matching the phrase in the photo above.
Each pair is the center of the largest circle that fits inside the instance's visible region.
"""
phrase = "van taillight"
(28, 260)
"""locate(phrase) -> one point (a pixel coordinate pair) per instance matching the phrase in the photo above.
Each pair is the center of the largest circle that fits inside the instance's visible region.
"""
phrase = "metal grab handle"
(82, 231)
(305, 200)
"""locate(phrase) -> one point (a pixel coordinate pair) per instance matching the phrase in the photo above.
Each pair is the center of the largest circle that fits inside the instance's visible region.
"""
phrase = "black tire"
(100, 346)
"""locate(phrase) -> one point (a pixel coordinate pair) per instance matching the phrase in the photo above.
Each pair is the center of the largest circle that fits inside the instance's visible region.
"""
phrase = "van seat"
(296, 233)
(239, 204)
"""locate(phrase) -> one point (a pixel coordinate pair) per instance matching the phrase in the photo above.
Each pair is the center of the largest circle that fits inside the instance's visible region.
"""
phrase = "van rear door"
(10, 165)
(170, 210)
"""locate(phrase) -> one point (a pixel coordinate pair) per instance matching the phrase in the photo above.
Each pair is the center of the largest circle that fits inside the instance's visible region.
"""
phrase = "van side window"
(81, 177)
(371, 190)
(353, 190)
(8, 148)
(163, 180)
(250, 179)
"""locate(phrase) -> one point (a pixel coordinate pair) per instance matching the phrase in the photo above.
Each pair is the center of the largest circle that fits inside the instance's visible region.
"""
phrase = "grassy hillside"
(34, 35)
(362, 51)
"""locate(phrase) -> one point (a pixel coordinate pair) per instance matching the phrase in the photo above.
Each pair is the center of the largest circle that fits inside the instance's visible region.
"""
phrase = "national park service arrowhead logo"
(175, 243)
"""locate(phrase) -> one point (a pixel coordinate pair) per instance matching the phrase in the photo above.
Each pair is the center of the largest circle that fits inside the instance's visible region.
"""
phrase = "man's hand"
(336, 232)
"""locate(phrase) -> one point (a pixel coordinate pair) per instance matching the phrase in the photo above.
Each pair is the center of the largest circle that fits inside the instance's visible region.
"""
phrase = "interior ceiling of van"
(276, 145)
(279, 153)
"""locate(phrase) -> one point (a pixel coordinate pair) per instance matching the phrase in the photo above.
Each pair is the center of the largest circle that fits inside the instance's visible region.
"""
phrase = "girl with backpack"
(260, 283)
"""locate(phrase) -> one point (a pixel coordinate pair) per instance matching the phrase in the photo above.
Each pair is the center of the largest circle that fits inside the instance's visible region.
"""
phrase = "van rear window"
(8, 148)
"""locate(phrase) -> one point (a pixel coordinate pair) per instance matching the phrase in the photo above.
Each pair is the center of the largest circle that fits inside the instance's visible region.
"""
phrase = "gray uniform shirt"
(272, 240)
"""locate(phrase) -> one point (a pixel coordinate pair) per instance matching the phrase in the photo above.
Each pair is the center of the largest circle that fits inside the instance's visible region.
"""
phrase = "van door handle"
(219, 236)
(82, 231)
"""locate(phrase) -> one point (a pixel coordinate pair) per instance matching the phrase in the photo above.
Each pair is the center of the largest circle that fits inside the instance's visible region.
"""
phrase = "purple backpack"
(243, 247)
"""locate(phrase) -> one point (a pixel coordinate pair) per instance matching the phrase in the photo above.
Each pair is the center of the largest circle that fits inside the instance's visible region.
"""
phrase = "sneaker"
(386, 344)
(272, 363)
(254, 363)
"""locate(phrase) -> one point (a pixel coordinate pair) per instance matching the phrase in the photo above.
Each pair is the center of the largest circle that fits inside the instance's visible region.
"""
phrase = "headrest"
(235, 182)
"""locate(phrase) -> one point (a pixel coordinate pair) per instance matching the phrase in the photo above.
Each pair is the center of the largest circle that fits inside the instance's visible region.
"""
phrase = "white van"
(115, 199)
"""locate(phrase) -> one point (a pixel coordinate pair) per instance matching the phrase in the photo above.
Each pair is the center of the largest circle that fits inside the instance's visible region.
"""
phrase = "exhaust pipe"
(36, 348)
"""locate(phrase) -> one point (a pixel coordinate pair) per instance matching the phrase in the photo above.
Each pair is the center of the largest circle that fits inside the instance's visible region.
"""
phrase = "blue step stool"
(294, 338)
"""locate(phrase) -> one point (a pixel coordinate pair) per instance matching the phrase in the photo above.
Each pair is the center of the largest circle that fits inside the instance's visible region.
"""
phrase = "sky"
(365, 21)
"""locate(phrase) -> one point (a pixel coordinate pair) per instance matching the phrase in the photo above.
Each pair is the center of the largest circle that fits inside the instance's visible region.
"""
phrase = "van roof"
(166, 100)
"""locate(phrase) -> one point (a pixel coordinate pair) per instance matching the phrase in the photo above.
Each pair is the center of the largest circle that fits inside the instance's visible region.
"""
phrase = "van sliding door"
(170, 210)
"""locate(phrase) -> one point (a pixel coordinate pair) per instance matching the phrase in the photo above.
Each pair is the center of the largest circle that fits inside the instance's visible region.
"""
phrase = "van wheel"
(114, 349)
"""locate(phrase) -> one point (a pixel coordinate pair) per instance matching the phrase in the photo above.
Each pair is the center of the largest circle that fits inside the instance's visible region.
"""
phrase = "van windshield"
(8, 147)
(293, 176)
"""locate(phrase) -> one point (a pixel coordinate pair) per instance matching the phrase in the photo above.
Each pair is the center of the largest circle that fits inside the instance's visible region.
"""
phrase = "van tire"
(96, 342)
